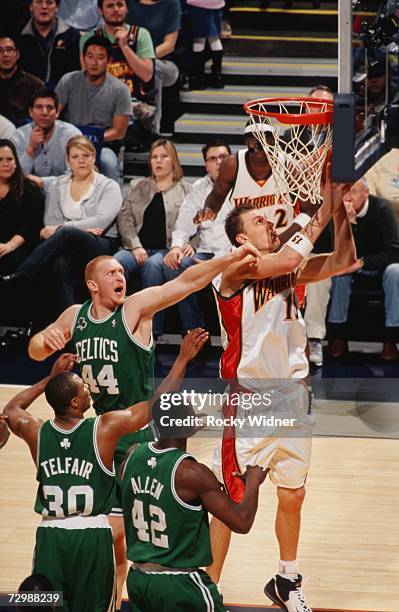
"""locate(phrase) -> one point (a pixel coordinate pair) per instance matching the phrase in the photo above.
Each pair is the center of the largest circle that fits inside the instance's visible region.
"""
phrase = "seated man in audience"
(91, 97)
(211, 234)
(376, 234)
(383, 179)
(132, 61)
(49, 47)
(16, 86)
(162, 19)
(41, 145)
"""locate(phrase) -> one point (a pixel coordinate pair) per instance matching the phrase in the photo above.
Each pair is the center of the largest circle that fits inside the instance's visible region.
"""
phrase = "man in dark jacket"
(376, 234)
(49, 47)
(16, 86)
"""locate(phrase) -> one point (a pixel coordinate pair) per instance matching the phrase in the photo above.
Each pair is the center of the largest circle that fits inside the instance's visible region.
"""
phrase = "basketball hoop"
(296, 136)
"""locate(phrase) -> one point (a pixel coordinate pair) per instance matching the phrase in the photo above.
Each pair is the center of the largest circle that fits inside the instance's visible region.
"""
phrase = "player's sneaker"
(287, 594)
(316, 352)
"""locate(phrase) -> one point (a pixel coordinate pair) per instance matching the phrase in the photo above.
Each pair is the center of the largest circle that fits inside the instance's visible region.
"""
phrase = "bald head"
(94, 265)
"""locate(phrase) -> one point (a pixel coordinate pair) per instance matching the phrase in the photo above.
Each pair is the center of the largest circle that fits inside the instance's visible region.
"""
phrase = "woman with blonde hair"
(148, 216)
(79, 224)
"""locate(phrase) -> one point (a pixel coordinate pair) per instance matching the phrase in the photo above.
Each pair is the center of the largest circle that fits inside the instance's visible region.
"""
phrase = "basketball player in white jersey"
(265, 340)
(246, 177)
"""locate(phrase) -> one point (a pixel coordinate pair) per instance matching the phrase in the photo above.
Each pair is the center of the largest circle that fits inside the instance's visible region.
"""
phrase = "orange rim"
(318, 117)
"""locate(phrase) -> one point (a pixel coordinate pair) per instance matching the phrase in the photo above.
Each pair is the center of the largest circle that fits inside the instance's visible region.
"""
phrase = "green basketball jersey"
(160, 527)
(118, 370)
(72, 478)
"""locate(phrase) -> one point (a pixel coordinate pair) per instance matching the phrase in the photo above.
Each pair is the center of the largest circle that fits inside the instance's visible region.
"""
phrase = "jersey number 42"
(157, 524)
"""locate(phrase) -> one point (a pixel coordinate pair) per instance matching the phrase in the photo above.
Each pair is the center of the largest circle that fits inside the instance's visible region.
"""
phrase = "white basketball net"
(297, 152)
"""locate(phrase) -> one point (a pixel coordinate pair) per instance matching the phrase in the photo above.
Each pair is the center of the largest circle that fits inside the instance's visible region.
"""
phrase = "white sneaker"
(316, 352)
(287, 594)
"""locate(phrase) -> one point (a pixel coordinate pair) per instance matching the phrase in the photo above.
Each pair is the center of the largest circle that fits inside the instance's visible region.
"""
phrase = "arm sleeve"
(145, 47)
(123, 101)
(390, 234)
(108, 207)
(62, 90)
(127, 223)
(20, 141)
(185, 226)
(174, 16)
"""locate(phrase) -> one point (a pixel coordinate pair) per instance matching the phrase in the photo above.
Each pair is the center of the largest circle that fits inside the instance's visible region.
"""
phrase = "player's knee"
(291, 500)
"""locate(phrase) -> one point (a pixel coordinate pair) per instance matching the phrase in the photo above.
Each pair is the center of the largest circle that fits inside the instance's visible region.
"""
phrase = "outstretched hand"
(64, 363)
(247, 249)
(56, 338)
(193, 342)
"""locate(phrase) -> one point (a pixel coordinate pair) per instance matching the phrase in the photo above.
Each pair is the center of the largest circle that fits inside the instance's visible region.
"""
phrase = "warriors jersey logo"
(266, 289)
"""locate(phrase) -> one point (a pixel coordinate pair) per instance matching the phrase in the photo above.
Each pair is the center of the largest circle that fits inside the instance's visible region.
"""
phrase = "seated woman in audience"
(21, 219)
(148, 216)
(80, 223)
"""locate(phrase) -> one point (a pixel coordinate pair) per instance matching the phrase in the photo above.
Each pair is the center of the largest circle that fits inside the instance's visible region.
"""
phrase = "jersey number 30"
(105, 378)
(157, 524)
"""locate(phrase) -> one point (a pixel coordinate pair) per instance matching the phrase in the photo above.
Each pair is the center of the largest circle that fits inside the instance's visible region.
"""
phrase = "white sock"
(288, 569)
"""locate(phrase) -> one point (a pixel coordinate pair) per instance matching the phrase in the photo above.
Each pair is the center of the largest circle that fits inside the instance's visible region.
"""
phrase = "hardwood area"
(350, 535)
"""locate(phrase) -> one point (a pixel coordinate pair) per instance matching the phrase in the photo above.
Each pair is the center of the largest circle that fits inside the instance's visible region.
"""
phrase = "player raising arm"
(166, 521)
(75, 470)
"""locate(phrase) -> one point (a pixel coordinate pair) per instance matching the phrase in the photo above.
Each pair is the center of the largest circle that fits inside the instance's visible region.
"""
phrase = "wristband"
(302, 219)
(299, 243)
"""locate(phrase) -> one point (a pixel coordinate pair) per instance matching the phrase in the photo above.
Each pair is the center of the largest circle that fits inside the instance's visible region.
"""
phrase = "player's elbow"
(35, 350)
(243, 527)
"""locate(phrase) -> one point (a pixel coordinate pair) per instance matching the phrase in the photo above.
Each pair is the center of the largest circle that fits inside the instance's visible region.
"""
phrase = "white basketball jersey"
(263, 332)
(262, 194)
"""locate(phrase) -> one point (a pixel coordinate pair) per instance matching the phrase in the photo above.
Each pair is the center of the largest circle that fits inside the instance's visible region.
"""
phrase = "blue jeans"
(110, 164)
(189, 310)
(150, 273)
(341, 289)
(65, 254)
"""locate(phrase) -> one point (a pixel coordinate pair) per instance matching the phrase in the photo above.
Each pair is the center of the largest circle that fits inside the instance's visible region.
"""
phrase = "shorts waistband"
(76, 522)
(155, 568)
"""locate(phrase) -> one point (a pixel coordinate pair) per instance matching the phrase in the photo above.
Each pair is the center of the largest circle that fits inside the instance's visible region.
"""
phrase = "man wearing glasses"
(212, 239)
(16, 86)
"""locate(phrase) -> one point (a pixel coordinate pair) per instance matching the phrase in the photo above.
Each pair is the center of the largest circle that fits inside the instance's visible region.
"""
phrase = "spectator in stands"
(383, 179)
(80, 223)
(80, 14)
(376, 235)
(205, 18)
(91, 97)
(21, 219)
(6, 127)
(16, 86)
(211, 235)
(41, 145)
(49, 47)
(318, 294)
(162, 19)
(148, 216)
(132, 61)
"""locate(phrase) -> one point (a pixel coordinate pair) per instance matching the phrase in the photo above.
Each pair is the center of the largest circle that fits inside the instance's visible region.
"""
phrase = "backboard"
(366, 116)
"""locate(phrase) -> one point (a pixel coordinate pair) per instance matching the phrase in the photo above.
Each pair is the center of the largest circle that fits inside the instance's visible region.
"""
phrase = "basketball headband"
(250, 128)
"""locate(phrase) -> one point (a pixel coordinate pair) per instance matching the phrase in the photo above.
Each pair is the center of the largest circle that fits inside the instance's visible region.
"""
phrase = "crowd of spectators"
(102, 66)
